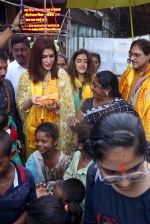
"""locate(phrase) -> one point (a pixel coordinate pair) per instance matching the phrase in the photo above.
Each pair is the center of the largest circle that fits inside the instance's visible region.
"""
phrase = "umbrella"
(103, 4)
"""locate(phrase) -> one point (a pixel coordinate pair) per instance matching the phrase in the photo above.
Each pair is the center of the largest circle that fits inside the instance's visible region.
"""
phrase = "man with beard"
(7, 95)
(135, 82)
(20, 47)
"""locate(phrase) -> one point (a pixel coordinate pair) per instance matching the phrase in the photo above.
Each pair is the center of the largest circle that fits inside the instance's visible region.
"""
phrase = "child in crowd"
(81, 159)
(7, 124)
(47, 164)
(96, 61)
(71, 190)
(52, 210)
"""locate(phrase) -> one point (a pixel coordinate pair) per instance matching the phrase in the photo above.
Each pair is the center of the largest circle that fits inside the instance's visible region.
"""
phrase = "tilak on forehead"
(122, 168)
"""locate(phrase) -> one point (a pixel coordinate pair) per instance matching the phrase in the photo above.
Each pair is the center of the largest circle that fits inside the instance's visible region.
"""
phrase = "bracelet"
(12, 29)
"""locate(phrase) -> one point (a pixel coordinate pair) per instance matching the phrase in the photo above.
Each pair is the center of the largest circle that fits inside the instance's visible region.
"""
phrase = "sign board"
(36, 20)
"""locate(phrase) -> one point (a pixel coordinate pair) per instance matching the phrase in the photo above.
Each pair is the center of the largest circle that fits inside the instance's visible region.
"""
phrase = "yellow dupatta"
(86, 89)
(86, 93)
(126, 82)
(38, 115)
(143, 99)
(142, 104)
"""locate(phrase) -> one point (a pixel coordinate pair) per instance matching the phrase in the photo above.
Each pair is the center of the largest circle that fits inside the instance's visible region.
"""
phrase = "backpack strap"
(92, 174)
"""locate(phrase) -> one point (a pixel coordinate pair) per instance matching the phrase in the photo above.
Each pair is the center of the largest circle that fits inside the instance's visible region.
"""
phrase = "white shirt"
(13, 73)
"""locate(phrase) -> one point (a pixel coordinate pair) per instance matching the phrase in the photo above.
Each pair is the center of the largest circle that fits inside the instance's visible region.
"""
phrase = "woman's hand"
(27, 104)
(53, 106)
(72, 121)
(35, 103)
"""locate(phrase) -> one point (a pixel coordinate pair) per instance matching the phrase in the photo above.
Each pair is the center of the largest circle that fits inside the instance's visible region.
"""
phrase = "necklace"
(10, 180)
(7, 183)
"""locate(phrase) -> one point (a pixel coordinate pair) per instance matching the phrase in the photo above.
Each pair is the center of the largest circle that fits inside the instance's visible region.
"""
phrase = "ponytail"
(74, 213)
(51, 209)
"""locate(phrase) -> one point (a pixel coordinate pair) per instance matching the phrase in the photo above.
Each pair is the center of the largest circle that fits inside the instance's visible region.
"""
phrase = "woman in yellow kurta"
(45, 95)
(81, 71)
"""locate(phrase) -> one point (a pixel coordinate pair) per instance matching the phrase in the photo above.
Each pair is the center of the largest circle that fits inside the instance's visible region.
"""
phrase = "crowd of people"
(74, 142)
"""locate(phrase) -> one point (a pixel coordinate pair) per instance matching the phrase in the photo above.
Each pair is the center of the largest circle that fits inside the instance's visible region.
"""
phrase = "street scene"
(74, 112)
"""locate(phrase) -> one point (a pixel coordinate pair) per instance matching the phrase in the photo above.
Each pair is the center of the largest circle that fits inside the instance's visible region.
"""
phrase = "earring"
(107, 94)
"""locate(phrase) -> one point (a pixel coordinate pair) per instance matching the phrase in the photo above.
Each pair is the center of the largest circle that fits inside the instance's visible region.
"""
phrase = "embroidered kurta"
(33, 117)
(142, 102)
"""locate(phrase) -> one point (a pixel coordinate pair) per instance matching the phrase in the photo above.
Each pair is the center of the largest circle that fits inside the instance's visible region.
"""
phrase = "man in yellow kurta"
(135, 82)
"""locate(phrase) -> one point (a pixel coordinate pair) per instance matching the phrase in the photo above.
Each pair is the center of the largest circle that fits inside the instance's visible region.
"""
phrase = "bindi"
(122, 168)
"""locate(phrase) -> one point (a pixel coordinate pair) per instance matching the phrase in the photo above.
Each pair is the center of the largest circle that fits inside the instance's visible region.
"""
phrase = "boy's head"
(71, 190)
(4, 120)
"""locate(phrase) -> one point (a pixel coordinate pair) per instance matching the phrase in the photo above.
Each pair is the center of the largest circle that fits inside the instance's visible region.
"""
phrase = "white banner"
(113, 52)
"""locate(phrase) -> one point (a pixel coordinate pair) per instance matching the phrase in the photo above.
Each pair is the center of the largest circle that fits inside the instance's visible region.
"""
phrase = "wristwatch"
(12, 29)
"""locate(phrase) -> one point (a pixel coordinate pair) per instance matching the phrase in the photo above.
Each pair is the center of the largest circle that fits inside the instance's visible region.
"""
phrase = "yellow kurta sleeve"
(23, 93)
(67, 109)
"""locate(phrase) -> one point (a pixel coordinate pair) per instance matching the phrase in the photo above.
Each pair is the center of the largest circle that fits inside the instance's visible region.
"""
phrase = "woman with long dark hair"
(81, 71)
(45, 94)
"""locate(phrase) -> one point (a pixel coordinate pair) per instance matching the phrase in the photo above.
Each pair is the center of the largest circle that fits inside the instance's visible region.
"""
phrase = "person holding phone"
(16, 25)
